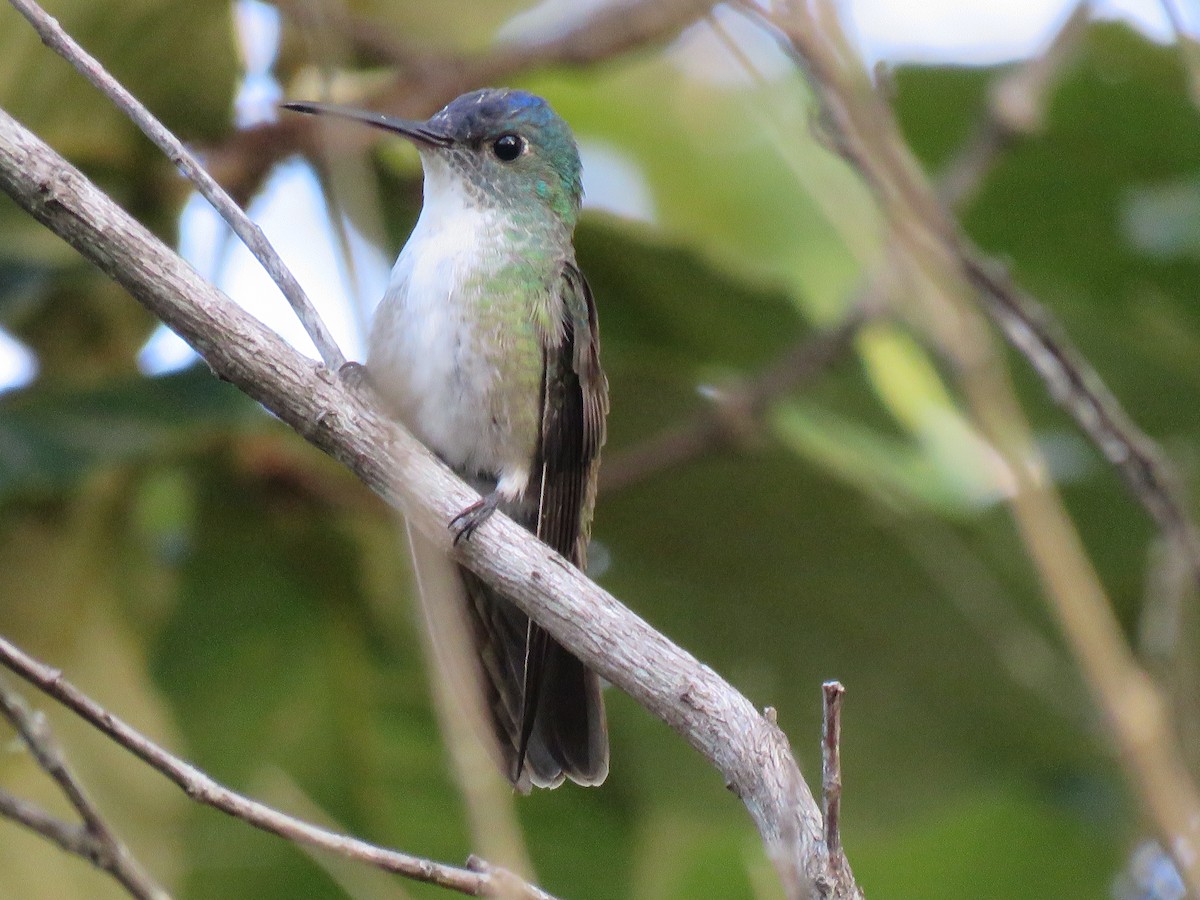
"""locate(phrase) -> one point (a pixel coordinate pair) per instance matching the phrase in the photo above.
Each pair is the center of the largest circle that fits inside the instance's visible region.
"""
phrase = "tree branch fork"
(749, 751)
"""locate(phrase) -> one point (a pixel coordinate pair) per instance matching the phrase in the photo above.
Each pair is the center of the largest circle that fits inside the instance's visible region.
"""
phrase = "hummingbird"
(486, 346)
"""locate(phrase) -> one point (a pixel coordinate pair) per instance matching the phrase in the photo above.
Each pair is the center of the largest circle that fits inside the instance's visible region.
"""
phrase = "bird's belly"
(465, 380)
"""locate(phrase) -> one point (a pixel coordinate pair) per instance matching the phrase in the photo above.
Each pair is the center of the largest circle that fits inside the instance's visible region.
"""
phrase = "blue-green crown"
(551, 167)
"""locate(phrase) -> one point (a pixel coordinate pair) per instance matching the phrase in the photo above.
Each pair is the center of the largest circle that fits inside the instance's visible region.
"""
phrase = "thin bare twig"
(1078, 389)
(475, 758)
(1166, 638)
(64, 45)
(70, 837)
(607, 31)
(95, 841)
(1016, 109)
(203, 789)
(832, 693)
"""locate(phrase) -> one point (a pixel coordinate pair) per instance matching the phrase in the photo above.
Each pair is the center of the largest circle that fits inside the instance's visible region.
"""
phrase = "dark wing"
(562, 708)
(574, 409)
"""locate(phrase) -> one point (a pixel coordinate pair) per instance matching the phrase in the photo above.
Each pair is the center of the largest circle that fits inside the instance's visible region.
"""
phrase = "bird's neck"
(454, 206)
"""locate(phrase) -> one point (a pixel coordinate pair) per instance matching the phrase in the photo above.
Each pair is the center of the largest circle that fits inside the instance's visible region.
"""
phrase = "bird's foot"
(467, 522)
(356, 377)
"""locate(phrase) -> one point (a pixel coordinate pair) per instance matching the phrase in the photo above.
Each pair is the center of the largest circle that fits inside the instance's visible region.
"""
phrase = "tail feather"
(570, 718)
(536, 641)
(561, 731)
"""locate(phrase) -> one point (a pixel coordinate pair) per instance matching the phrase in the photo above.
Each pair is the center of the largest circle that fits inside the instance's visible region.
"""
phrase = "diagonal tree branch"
(94, 840)
(1016, 110)
(1078, 389)
(750, 752)
(609, 30)
(425, 81)
(478, 880)
(252, 236)
(70, 837)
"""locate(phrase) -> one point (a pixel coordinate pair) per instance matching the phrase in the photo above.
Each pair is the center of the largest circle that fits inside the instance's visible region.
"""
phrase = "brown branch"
(831, 770)
(751, 754)
(95, 840)
(251, 235)
(1078, 389)
(203, 789)
(1016, 110)
(941, 272)
(425, 81)
(608, 31)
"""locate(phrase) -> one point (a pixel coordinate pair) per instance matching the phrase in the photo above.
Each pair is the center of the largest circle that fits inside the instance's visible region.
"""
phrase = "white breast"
(423, 350)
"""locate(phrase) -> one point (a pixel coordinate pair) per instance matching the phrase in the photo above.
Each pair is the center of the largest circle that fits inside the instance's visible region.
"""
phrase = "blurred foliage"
(210, 578)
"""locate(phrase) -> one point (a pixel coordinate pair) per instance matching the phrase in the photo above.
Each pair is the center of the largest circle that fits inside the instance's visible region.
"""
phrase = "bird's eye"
(508, 147)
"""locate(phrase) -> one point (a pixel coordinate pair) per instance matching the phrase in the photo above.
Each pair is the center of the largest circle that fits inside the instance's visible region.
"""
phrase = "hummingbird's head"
(506, 148)
(514, 148)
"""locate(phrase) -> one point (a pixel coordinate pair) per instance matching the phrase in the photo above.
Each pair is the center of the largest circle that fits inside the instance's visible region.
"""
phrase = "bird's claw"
(467, 522)
(355, 376)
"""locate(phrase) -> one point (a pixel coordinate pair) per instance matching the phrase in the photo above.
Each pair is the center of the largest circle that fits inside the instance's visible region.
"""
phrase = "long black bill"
(418, 132)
